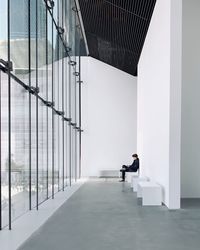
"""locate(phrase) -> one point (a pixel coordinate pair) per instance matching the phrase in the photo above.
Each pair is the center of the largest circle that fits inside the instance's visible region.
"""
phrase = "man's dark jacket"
(135, 166)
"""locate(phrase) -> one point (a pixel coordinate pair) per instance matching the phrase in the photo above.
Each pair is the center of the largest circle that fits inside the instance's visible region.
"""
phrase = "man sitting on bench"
(132, 168)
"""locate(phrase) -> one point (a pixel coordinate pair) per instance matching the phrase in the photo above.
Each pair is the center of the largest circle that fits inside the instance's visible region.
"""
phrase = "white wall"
(190, 157)
(109, 117)
(159, 100)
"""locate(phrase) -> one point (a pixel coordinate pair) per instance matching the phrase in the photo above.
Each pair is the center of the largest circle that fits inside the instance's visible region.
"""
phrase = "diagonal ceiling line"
(130, 12)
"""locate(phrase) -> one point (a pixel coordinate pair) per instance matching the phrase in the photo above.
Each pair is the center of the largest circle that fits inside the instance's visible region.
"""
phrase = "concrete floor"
(106, 215)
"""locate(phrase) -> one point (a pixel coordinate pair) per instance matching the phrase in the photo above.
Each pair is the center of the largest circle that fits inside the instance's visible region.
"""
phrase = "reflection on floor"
(190, 203)
(105, 214)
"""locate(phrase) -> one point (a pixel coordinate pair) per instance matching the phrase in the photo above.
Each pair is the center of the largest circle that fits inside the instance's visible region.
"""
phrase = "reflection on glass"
(19, 150)
(4, 147)
(19, 38)
(4, 114)
(42, 109)
(49, 98)
(42, 152)
(38, 54)
(3, 30)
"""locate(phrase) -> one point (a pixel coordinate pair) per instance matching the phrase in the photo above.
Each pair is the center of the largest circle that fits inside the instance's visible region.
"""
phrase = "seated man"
(132, 168)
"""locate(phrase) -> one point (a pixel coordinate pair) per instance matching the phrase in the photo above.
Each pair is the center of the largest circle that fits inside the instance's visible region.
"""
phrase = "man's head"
(135, 156)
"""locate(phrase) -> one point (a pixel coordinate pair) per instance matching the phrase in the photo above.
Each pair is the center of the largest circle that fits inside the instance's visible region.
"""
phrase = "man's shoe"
(121, 181)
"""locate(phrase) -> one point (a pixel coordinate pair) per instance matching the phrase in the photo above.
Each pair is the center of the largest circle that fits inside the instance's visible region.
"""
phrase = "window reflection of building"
(20, 39)
(19, 52)
(19, 20)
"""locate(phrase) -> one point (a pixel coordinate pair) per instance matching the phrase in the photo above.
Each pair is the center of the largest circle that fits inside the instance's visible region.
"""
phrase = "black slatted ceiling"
(116, 30)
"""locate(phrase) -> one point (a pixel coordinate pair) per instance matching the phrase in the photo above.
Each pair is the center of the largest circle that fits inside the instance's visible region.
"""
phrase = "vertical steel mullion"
(80, 116)
(58, 99)
(70, 130)
(74, 97)
(69, 103)
(58, 121)
(66, 104)
(30, 128)
(75, 132)
(66, 124)
(0, 161)
(47, 114)
(52, 92)
(9, 122)
(57, 96)
(75, 104)
(37, 169)
(63, 125)
(63, 128)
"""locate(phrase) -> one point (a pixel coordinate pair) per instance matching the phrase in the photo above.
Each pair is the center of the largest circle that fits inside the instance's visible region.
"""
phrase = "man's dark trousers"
(124, 170)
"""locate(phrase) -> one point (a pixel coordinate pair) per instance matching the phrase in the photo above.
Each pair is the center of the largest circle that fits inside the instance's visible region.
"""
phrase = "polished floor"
(106, 215)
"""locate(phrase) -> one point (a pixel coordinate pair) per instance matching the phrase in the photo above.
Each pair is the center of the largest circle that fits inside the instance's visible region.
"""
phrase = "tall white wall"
(159, 100)
(109, 117)
(190, 156)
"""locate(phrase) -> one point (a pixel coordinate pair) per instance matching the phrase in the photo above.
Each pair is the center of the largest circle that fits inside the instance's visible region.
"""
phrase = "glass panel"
(72, 21)
(3, 30)
(33, 100)
(49, 152)
(42, 152)
(19, 53)
(60, 155)
(65, 22)
(4, 146)
(33, 41)
(4, 114)
(49, 98)
(19, 38)
(42, 49)
(73, 115)
(66, 172)
(33, 151)
(19, 150)
(56, 153)
(55, 10)
(70, 128)
(54, 89)
(73, 89)
(68, 115)
(42, 110)
(60, 131)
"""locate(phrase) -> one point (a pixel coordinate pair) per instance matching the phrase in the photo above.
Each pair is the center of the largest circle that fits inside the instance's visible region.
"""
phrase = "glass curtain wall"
(40, 102)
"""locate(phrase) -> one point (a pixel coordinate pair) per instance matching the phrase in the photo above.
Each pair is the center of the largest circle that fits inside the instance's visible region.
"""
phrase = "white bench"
(135, 180)
(106, 173)
(129, 176)
(150, 192)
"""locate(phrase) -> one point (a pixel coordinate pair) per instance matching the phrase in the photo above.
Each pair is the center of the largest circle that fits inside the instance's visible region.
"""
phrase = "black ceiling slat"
(145, 28)
(136, 26)
(96, 23)
(94, 18)
(116, 30)
(140, 26)
(121, 15)
(133, 35)
(131, 42)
